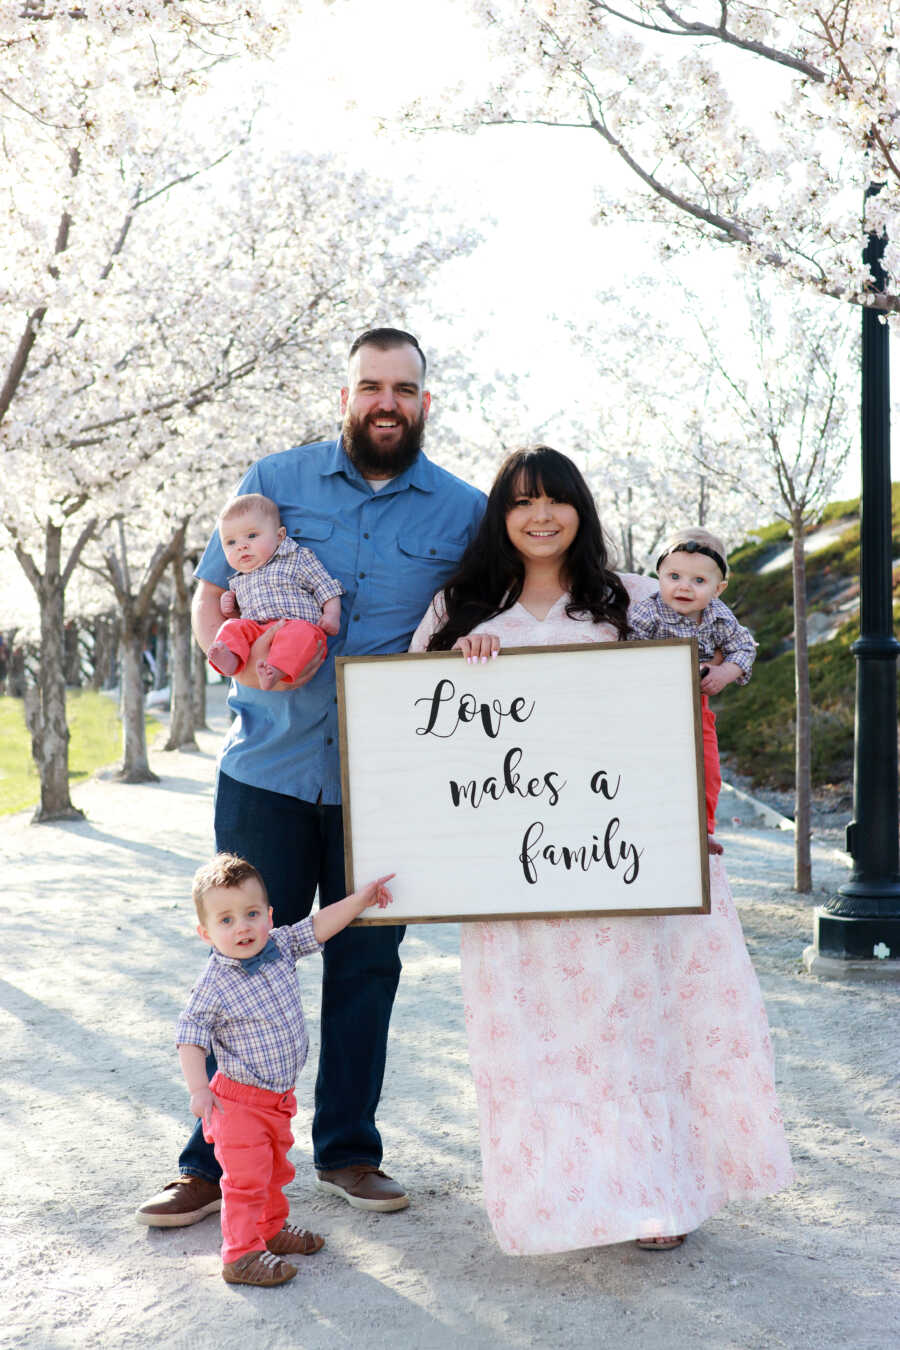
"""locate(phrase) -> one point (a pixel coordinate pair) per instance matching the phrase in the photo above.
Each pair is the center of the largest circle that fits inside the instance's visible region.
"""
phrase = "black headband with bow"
(691, 546)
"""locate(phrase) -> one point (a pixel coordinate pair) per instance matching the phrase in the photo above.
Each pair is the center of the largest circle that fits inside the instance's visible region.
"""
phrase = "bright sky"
(529, 191)
(341, 83)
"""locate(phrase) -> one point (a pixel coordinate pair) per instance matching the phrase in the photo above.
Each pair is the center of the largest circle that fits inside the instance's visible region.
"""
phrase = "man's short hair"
(386, 338)
(249, 501)
(226, 871)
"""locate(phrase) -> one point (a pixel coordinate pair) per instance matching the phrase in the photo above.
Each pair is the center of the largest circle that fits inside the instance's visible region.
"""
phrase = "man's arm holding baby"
(206, 617)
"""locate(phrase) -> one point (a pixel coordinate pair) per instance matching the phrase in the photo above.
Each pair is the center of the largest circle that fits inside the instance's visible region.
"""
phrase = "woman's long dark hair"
(491, 573)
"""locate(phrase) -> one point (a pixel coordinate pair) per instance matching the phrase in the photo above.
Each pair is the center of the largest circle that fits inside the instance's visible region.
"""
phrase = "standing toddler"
(246, 1009)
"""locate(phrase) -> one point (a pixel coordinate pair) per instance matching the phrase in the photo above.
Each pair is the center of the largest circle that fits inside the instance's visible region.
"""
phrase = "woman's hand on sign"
(477, 647)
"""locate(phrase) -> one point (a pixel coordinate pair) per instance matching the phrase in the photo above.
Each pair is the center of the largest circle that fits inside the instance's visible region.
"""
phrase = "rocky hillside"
(756, 723)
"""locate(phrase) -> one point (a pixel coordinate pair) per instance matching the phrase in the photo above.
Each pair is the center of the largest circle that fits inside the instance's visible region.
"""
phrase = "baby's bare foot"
(712, 845)
(223, 658)
(269, 675)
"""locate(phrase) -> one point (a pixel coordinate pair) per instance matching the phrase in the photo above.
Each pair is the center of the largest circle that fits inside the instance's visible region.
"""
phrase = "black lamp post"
(861, 924)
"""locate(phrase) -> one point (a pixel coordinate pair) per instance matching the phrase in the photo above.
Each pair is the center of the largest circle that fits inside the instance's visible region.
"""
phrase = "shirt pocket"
(310, 531)
(318, 536)
(424, 563)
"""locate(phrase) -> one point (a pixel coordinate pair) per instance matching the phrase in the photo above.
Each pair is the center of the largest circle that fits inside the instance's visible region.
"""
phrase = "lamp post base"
(854, 948)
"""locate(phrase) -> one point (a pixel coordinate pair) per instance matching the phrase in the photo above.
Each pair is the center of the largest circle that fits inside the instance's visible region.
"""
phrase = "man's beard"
(377, 461)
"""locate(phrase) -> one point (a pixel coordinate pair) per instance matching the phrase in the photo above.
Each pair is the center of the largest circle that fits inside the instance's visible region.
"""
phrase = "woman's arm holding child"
(738, 648)
(716, 677)
(333, 918)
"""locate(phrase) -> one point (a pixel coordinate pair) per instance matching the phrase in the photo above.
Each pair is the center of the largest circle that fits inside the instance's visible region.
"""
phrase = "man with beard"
(391, 526)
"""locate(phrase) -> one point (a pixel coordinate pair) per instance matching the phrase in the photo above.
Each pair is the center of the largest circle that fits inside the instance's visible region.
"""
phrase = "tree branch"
(77, 548)
(729, 231)
(719, 32)
(35, 319)
(162, 556)
(27, 563)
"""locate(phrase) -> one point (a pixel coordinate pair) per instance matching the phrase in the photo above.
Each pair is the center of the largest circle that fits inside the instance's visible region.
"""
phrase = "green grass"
(756, 723)
(96, 740)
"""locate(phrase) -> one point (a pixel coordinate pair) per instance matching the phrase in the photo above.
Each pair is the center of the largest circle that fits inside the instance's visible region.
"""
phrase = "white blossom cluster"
(680, 425)
(757, 125)
(220, 333)
(177, 298)
(106, 74)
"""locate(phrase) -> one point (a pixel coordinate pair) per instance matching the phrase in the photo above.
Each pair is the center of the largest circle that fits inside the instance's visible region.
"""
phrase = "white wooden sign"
(551, 781)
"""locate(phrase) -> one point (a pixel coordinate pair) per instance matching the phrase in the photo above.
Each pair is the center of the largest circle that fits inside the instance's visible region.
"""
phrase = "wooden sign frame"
(568, 780)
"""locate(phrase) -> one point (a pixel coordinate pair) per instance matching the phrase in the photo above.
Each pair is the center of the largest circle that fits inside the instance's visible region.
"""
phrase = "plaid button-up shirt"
(293, 584)
(716, 628)
(253, 1023)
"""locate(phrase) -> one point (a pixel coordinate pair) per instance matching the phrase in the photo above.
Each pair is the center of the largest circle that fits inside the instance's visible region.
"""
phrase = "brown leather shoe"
(181, 1203)
(260, 1268)
(295, 1241)
(364, 1187)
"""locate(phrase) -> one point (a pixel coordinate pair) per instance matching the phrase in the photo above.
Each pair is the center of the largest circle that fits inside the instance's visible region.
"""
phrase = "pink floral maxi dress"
(623, 1067)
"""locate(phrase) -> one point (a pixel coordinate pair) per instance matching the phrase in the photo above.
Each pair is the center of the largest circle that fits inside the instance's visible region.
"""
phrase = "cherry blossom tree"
(678, 93)
(718, 434)
(86, 98)
(780, 428)
(173, 298)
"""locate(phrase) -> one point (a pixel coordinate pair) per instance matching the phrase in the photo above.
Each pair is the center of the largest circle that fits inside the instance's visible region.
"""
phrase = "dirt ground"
(97, 953)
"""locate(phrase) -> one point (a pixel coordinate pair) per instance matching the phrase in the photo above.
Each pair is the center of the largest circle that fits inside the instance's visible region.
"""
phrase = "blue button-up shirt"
(392, 550)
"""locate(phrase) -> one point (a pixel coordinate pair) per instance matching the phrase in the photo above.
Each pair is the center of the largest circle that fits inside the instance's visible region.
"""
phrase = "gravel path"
(97, 954)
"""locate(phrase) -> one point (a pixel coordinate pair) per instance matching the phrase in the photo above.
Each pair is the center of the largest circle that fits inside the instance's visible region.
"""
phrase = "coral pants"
(293, 646)
(711, 769)
(251, 1136)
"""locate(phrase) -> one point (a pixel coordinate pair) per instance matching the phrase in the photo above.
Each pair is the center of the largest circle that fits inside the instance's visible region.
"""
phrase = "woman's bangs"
(542, 476)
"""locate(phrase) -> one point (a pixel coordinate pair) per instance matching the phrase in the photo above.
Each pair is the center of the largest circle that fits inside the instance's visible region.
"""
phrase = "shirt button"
(329, 740)
(366, 534)
(432, 551)
(356, 618)
(361, 575)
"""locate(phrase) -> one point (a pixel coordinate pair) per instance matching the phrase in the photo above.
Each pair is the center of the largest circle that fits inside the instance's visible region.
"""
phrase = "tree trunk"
(198, 685)
(135, 763)
(198, 679)
(49, 730)
(104, 653)
(73, 655)
(181, 725)
(703, 501)
(161, 675)
(802, 765)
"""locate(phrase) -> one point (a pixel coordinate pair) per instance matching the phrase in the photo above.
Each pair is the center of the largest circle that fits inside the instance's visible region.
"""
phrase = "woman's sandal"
(660, 1244)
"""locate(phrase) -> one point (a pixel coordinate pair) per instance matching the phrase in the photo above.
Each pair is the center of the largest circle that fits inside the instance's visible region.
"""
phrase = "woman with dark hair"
(493, 570)
(622, 1066)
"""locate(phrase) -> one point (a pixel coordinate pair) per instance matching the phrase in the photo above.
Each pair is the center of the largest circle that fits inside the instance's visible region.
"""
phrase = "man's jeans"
(298, 846)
